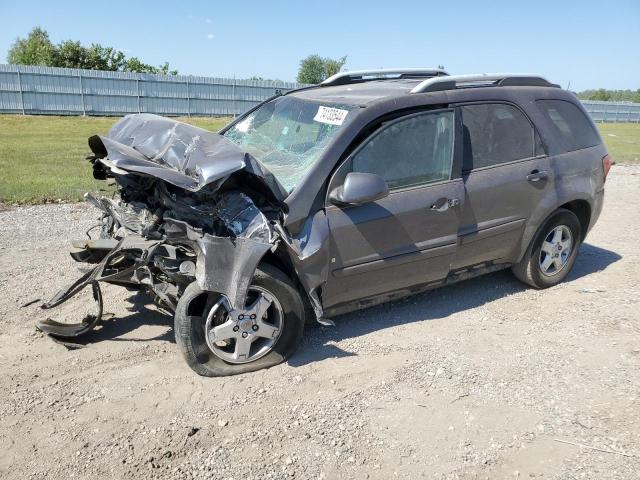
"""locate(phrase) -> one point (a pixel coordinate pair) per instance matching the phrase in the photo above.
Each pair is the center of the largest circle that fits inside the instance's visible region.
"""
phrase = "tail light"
(607, 161)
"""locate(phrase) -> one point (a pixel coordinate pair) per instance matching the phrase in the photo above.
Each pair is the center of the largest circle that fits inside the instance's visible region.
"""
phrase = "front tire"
(217, 341)
(552, 252)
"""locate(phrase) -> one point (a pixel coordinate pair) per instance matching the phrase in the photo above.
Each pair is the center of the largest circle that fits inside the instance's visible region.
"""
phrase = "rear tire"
(195, 305)
(552, 252)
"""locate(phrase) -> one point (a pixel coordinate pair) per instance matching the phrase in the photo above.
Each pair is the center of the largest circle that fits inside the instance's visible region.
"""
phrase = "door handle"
(537, 175)
(443, 204)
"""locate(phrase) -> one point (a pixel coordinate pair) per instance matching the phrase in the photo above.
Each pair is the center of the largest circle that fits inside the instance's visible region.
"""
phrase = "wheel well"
(281, 261)
(277, 261)
(582, 210)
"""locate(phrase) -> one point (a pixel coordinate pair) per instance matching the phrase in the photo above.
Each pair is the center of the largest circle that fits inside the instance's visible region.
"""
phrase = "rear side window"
(495, 133)
(573, 128)
(411, 151)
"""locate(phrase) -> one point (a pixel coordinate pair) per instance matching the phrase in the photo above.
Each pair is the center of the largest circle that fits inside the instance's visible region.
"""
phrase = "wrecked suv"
(368, 187)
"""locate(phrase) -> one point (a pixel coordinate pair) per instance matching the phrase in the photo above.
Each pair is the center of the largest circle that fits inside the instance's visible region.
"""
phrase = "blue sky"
(590, 44)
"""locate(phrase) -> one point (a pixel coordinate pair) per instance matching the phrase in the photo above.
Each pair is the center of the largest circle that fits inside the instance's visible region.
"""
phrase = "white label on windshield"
(332, 116)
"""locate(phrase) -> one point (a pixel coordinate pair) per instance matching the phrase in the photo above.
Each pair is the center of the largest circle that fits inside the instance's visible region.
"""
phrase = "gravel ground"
(484, 379)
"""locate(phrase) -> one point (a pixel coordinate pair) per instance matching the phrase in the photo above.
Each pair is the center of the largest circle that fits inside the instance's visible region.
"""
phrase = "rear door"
(408, 238)
(506, 174)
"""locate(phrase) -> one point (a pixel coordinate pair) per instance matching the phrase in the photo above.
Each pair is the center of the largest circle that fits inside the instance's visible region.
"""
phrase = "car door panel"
(402, 259)
(392, 244)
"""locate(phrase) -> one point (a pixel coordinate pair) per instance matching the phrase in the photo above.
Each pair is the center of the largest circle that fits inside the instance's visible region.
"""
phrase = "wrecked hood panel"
(181, 154)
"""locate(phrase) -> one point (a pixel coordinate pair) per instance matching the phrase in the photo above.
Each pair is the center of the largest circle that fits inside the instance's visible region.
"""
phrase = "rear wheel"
(217, 340)
(552, 252)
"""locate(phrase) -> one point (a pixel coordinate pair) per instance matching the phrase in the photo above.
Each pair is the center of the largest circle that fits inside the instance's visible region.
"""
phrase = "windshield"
(288, 135)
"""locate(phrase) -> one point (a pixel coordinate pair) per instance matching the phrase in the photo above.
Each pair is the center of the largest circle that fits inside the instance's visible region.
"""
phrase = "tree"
(601, 94)
(36, 49)
(331, 67)
(134, 64)
(70, 54)
(164, 69)
(315, 69)
(104, 58)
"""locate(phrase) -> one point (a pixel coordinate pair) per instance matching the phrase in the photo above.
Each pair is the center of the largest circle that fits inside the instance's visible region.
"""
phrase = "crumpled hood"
(178, 153)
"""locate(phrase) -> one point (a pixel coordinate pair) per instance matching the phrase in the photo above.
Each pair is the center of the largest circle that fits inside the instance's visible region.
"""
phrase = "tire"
(530, 269)
(195, 305)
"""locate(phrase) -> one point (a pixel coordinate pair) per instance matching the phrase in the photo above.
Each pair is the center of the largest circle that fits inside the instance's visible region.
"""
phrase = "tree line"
(37, 49)
(611, 95)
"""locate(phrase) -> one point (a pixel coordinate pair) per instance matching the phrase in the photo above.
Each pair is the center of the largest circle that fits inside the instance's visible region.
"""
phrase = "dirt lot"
(484, 379)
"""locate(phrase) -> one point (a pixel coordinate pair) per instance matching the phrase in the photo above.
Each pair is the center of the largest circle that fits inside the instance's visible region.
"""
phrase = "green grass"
(622, 140)
(42, 157)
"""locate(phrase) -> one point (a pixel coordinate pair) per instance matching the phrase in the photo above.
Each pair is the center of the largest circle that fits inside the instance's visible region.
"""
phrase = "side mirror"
(359, 188)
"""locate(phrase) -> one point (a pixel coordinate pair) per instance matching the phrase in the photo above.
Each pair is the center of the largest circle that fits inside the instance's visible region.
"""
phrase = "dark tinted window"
(573, 128)
(411, 151)
(495, 133)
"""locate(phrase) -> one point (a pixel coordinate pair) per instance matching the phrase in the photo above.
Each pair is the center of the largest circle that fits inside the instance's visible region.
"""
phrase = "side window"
(411, 151)
(495, 133)
(573, 128)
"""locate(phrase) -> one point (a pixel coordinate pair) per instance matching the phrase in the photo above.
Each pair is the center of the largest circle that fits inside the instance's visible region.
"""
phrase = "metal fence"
(69, 91)
(613, 111)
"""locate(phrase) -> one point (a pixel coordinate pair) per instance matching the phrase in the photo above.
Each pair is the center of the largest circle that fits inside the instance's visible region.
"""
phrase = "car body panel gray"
(346, 256)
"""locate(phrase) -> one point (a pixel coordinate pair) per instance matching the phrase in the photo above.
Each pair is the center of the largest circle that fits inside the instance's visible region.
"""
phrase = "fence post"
(84, 112)
(188, 99)
(20, 88)
(233, 96)
(138, 91)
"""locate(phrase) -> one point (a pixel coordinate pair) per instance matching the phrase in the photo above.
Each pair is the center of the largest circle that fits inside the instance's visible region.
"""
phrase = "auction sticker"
(332, 116)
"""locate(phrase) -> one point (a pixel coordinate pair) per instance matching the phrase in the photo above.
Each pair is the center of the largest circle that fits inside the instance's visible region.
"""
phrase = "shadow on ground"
(115, 328)
(431, 305)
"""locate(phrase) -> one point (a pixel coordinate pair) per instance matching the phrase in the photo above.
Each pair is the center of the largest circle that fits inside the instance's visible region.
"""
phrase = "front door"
(408, 238)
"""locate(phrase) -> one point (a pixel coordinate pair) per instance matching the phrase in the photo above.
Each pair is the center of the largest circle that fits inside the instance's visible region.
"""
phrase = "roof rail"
(482, 80)
(355, 76)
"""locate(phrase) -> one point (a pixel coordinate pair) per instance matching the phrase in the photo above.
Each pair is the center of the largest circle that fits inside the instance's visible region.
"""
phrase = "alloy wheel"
(242, 336)
(556, 250)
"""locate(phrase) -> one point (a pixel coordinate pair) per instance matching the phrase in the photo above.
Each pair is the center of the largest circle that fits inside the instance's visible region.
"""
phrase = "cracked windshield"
(288, 135)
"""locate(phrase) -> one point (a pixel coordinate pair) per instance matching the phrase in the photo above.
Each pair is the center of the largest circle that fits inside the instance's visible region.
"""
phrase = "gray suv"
(368, 187)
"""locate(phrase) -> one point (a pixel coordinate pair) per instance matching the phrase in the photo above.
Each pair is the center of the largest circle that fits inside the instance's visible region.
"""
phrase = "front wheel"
(217, 340)
(552, 252)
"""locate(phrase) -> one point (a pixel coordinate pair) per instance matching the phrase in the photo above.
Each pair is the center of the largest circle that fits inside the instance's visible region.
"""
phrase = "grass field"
(623, 141)
(42, 157)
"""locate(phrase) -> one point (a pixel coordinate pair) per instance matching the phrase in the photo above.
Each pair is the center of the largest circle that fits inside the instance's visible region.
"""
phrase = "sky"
(579, 44)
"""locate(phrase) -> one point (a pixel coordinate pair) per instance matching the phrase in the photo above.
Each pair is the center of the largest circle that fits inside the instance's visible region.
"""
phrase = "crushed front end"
(189, 206)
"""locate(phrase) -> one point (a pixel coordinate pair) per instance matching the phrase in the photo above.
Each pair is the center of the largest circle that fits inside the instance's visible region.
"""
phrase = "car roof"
(363, 93)
(341, 89)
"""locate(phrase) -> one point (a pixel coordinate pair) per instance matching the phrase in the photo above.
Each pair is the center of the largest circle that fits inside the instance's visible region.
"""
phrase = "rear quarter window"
(573, 129)
(495, 133)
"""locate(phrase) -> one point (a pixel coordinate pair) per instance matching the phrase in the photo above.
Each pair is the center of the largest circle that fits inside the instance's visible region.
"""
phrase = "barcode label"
(332, 116)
